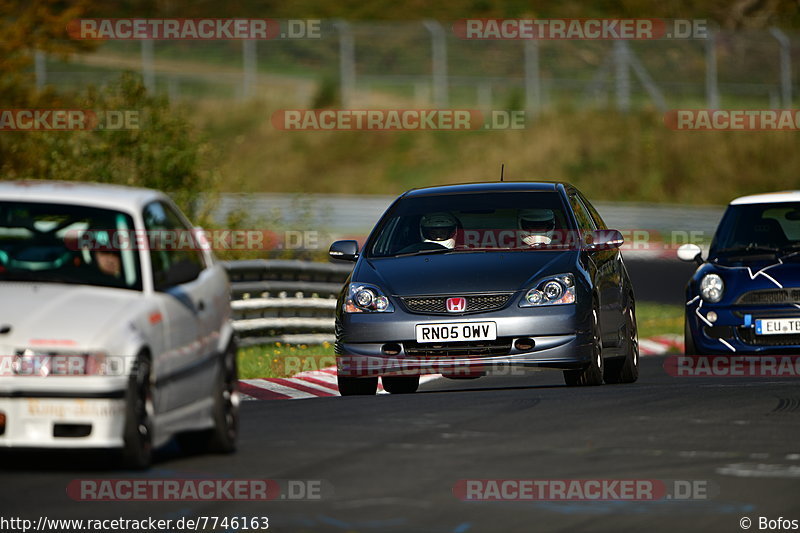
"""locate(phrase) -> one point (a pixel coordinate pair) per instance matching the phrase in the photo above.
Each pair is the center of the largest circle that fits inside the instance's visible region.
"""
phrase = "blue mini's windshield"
(758, 229)
(43, 242)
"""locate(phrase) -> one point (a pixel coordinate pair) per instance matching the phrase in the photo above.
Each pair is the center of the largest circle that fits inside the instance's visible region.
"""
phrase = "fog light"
(391, 349)
(524, 344)
(712, 316)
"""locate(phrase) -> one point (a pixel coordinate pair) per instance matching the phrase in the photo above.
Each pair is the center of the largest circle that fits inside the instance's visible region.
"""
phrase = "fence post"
(249, 65)
(484, 92)
(622, 75)
(647, 82)
(347, 63)
(712, 91)
(439, 62)
(786, 67)
(148, 74)
(533, 84)
(40, 66)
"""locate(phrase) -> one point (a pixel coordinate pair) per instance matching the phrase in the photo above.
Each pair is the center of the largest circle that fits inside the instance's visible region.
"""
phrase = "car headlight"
(711, 288)
(364, 298)
(43, 363)
(554, 290)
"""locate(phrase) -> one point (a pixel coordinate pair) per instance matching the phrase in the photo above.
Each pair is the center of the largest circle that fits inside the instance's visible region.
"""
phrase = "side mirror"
(690, 252)
(605, 239)
(344, 250)
(178, 273)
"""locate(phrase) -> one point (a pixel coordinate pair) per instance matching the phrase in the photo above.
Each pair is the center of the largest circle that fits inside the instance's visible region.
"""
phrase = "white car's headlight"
(43, 363)
(711, 288)
(554, 290)
(365, 298)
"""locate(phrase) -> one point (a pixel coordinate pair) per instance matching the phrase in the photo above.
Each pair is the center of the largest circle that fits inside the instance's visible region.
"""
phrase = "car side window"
(174, 258)
(598, 221)
(585, 222)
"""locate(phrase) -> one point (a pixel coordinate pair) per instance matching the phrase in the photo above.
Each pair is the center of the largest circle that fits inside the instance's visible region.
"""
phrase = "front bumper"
(734, 330)
(378, 344)
(63, 412)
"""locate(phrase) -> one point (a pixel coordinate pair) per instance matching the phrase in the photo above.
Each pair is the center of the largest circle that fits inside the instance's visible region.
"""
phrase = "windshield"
(43, 242)
(758, 229)
(473, 222)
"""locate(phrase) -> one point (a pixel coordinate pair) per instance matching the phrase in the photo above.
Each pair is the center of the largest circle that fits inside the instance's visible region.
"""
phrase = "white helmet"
(439, 228)
(537, 225)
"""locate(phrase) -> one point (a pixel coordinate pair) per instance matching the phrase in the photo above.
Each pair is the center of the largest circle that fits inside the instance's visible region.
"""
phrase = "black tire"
(357, 386)
(137, 452)
(222, 437)
(400, 384)
(226, 405)
(688, 341)
(592, 374)
(626, 369)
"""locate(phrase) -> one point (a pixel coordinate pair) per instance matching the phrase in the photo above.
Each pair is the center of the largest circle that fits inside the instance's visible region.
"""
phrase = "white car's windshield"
(43, 242)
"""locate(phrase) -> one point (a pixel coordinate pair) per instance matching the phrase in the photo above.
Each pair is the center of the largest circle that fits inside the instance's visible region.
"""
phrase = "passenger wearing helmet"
(537, 226)
(439, 228)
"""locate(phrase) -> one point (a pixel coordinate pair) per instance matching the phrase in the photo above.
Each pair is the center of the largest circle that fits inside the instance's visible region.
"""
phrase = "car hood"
(463, 272)
(740, 277)
(57, 315)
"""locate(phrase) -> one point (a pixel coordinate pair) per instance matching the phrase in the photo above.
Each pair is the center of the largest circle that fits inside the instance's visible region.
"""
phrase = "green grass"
(659, 319)
(281, 360)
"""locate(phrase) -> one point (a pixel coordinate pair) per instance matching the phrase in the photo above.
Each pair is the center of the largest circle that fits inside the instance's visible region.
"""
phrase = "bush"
(164, 152)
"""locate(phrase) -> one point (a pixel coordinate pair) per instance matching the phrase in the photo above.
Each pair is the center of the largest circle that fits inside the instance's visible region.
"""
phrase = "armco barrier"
(286, 301)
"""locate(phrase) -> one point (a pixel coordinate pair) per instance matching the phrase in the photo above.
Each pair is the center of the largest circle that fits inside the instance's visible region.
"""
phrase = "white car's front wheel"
(226, 404)
(138, 450)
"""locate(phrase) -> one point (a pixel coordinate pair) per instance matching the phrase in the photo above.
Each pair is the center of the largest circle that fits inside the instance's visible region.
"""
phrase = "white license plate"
(777, 326)
(457, 331)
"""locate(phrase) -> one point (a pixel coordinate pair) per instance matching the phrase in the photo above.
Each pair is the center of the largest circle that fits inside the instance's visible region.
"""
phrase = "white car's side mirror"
(690, 252)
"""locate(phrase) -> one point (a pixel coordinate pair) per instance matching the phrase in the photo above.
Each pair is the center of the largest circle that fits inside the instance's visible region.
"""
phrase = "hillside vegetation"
(611, 156)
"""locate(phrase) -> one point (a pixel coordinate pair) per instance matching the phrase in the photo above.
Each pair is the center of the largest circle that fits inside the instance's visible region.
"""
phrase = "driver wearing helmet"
(537, 226)
(439, 228)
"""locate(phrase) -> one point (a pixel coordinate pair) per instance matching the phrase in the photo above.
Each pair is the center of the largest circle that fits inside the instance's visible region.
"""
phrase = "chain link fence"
(425, 64)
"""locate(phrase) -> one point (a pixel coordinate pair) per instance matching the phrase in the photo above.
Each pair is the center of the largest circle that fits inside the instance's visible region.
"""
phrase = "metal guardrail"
(341, 214)
(284, 301)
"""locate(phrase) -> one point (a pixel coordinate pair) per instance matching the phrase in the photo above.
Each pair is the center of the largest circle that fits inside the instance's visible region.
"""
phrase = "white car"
(105, 343)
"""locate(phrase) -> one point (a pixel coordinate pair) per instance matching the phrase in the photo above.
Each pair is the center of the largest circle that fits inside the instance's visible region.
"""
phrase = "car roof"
(768, 198)
(486, 187)
(119, 197)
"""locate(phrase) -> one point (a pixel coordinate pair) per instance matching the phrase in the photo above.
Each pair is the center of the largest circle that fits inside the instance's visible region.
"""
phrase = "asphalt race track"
(389, 463)
(662, 281)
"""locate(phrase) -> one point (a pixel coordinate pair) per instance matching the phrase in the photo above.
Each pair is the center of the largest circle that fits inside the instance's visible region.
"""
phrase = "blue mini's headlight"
(553, 290)
(365, 298)
(712, 288)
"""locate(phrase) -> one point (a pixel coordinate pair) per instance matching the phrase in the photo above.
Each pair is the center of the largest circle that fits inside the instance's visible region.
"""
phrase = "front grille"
(458, 349)
(748, 336)
(770, 296)
(437, 305)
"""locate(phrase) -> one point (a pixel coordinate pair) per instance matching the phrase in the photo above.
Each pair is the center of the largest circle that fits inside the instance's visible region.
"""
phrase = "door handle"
(201, 305)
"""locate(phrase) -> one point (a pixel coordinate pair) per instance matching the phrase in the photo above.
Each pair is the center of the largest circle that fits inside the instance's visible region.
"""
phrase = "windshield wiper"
(749, 248)
(426, 252)
(790, 250)
(40, 277)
